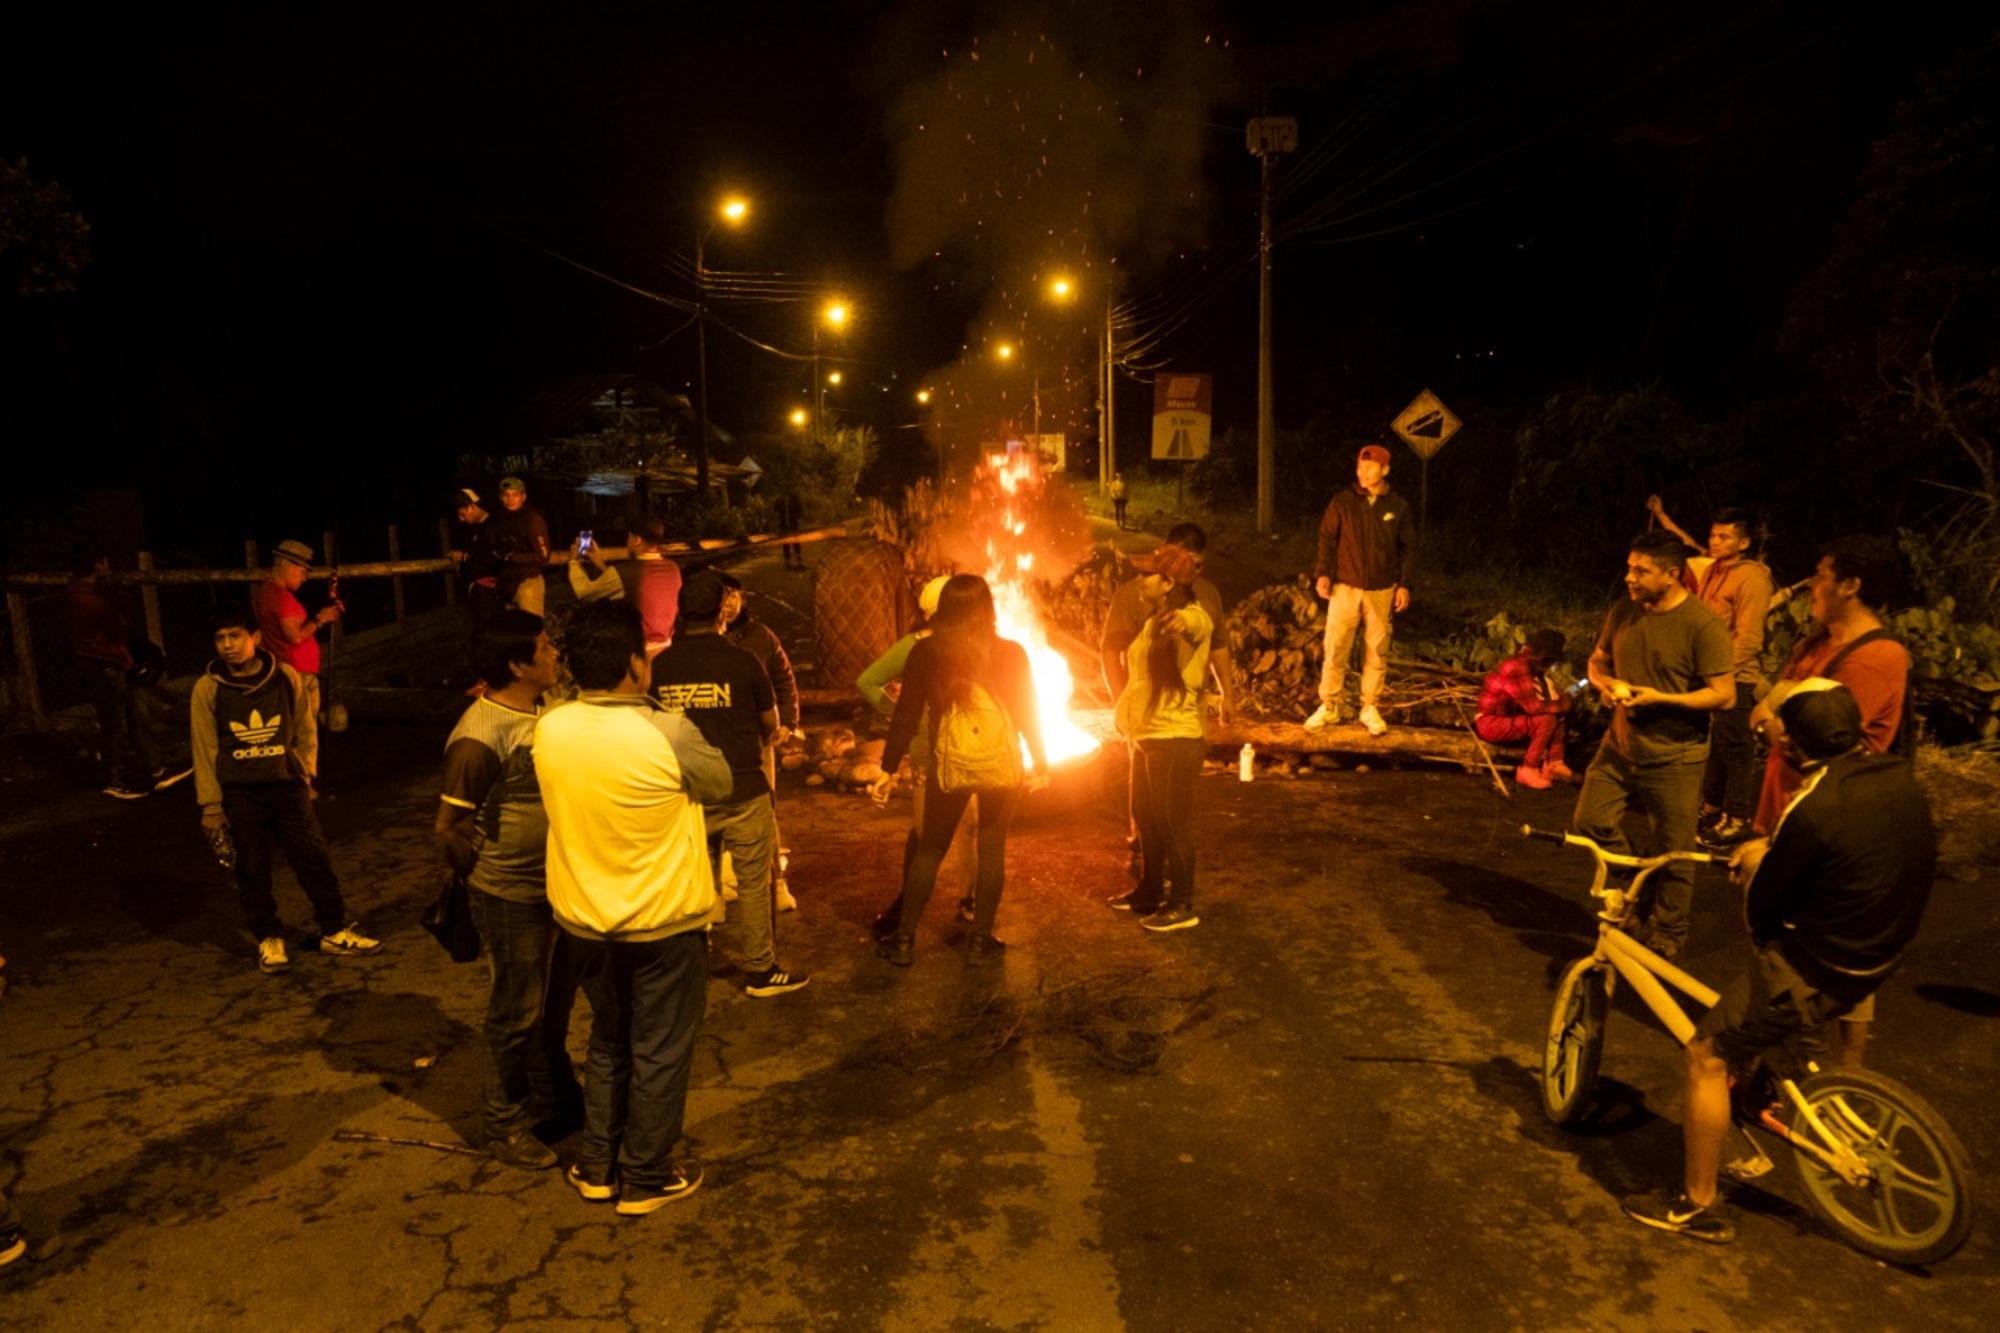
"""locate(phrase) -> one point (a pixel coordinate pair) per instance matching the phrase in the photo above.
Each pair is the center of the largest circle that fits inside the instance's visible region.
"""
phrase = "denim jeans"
(280, 814)
(646, 1003)
(748, 831)
(1163, 796)
(124, 734)
(1733, 776)
(1668, 794)
(942, 811)
(531, 975)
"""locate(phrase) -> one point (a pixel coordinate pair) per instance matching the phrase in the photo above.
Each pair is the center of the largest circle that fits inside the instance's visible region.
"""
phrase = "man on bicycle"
(1832, 898)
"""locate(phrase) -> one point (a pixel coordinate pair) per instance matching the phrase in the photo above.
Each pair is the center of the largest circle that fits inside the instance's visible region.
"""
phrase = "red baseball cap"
(1373, 453)
(1171, 561)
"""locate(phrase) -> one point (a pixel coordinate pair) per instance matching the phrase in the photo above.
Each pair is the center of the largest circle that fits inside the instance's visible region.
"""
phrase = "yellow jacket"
(1175, 719)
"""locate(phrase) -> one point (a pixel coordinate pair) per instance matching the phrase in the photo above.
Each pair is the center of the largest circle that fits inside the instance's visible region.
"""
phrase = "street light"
(923, 397)
(1005, 351)
(834, 315)
(833, 378)
(799, 417)
(731, 210)
(1061, 288)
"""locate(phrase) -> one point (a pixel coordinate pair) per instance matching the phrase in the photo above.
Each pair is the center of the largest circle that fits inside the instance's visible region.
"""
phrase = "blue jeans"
(646, 1002)
(531, 972)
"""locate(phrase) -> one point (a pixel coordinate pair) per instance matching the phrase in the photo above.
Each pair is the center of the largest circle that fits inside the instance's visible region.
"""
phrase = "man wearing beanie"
(1364, 551)
(724, 692)
(1832, 900)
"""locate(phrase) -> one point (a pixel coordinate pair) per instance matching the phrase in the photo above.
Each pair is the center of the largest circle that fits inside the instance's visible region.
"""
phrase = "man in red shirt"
(289, 634)
(1517, 704)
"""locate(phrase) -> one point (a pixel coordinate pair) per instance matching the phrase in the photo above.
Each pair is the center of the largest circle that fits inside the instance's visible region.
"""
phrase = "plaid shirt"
(1511, 688)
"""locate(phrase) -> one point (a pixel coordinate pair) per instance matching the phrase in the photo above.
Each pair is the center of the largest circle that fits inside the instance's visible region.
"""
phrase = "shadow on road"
(1546, 923)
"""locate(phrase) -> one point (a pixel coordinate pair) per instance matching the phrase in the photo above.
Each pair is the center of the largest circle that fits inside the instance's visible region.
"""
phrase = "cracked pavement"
(1342, 1130)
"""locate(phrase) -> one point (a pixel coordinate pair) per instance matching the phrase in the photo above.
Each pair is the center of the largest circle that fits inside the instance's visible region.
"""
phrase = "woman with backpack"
(1160, 711)
(974, 694)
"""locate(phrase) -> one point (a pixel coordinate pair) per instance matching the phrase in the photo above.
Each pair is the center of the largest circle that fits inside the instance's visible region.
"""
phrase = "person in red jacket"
(1518, 704)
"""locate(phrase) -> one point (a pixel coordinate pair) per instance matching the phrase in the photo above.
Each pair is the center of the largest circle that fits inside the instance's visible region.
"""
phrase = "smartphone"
(586, 540)
(1581, 685)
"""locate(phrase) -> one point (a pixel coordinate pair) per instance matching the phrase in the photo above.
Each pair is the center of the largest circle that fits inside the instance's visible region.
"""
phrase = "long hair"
(1163, 667)
(963, 635)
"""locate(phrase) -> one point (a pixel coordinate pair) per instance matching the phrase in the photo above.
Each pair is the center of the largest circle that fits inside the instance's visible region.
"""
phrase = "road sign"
(1181, 416)
(1426, 424)
(1267, 136)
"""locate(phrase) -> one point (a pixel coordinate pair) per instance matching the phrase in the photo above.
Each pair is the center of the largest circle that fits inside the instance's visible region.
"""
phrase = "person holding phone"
(591, 576)
(1518, 703)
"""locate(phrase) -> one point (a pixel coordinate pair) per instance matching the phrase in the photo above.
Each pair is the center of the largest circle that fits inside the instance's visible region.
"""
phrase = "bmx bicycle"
(1875, 1162)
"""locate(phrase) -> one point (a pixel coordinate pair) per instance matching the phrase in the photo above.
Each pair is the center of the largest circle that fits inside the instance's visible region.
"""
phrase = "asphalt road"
(1339, 1127)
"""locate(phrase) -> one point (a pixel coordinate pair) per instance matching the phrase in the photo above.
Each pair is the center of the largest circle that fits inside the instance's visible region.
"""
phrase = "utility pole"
(1268, 136)
(701, 366)
(1107, 385)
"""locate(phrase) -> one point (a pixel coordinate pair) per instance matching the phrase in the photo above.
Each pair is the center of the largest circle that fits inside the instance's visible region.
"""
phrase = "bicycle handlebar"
(1617, 858)
(1546, 835)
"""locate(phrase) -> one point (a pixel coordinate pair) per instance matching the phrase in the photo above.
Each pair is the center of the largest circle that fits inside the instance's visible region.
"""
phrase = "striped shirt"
(489, 768)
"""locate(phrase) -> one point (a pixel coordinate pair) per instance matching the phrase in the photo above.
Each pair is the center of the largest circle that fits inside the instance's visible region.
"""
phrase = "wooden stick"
(363, 1136)
(1484, 753)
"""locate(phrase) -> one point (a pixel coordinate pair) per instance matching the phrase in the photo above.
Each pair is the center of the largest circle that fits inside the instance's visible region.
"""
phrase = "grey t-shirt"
(1674, 652)
(489, 768)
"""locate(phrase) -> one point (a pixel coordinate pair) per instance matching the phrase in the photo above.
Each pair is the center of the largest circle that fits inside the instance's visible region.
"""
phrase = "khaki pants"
(1348, 609)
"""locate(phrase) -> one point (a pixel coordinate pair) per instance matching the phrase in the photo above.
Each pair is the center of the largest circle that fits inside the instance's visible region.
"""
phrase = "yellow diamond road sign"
(1426, 424)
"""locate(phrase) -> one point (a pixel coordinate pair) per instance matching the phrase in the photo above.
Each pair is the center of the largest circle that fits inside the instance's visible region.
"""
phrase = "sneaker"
(1724, 834)
(595, 1188)
(1131, 901)
(271, 955)
(1672, 1210)
(637, 1201)
(167, 775)
(968, 909)
(775, 982)
(981, 948)
(1372, 720)
(885, 925)
(523, 1151)
(348, 940)
(1321, 718)
(1531, 777)
(786, 903)
(118, 791)
(1171, 918)
(899, 950)
(13, 1245)
(1559, 771)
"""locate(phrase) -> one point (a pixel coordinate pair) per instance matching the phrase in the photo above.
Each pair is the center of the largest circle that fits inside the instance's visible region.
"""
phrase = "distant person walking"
(101, 643)
(256, 786)
(1118, 499)
(492, 831)
(1663, 663)
(518, 537)
(288, 633)
(1517, 703)
(1361, 572)
(629, 882)
(791, 516)
(975, 693)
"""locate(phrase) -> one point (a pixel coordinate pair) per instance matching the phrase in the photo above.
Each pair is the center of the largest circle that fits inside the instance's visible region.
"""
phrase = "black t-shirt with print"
(724, 691)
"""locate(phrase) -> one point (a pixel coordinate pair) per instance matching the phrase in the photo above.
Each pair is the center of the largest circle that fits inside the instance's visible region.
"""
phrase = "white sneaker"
(786, 903)
(271, 955)
(348, 940)
(1373, 720)
(1320, 718)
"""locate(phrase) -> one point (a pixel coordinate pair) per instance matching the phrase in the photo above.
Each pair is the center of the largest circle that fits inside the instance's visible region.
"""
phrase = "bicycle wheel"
(1575, 1042)
(1916, 1206)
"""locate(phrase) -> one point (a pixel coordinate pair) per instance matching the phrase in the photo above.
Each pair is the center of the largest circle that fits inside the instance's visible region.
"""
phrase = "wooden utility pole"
(1268, 136)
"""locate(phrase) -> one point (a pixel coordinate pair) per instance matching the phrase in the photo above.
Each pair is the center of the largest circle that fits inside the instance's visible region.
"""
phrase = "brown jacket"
(1740, 593)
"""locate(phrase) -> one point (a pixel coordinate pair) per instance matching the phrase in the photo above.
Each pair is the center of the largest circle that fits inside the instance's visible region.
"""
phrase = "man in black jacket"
(1832, 900)
(1363, 556)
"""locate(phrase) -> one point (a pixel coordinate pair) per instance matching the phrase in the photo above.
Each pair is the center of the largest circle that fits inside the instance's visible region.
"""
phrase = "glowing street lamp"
(923, 397)
(799, 417)
(833, 315)
(1061, 289)
(1005, 351)
(833, 378)
(731, 210)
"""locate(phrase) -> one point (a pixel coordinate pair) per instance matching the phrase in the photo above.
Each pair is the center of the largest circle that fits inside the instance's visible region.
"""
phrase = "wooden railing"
(150, 579)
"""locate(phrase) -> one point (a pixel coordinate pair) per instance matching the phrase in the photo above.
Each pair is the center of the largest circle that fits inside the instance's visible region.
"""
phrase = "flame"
(1021, 620)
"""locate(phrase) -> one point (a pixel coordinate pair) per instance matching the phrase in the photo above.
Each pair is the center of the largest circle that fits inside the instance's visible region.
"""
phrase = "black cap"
(701, 596)
(1821, 718)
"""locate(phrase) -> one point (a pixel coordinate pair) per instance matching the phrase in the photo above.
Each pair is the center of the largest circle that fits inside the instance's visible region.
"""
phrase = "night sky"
(326, 243)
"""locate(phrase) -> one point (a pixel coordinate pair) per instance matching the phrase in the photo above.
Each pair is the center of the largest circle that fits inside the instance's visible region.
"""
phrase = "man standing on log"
(1364, 552)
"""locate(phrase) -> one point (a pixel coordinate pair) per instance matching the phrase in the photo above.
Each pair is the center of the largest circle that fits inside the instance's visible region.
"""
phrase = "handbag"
(449, 920)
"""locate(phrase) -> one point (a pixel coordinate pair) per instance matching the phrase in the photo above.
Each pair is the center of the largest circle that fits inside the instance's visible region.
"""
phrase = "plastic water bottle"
(1246, 762)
